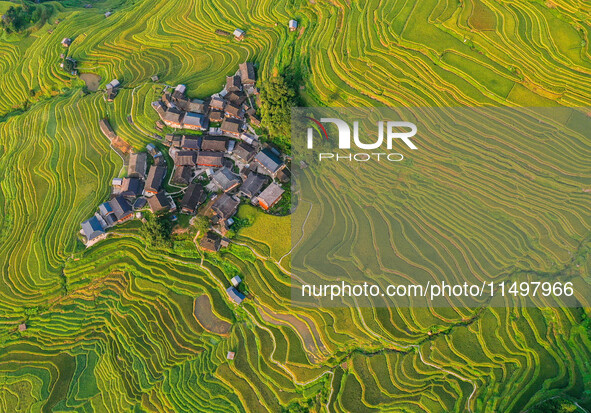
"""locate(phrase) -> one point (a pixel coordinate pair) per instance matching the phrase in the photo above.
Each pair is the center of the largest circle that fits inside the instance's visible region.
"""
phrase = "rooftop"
(269, 160)
(92, 228)
(225, 206)
(271, 194)
(195, 120)
(137, 165)
(214, 143)
(121, 207)
(231, 126)
(253, 185)
(225, 179)
(209, 158)
(159, 202)
(210, 242)
(194, 195)
(247, 73)
(182, 175)
(244, 151)
(155, 178)
(235, 295)
(131, 187)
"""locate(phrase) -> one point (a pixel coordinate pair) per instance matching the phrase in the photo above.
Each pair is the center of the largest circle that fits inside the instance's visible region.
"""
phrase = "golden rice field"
(114, 328)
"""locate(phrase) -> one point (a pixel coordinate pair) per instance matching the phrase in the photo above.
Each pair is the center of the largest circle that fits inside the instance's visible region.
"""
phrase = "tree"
(277, 99)
(157, 231)
(555, 405)
(18, 19)
(201, 224)
(68, 65)
(15, 19)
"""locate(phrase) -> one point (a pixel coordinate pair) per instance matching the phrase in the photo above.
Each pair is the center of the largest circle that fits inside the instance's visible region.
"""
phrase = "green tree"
(277, 99)
(555, 405)
(18, 19)
(157, 230)
(69, 65)
(201, 224)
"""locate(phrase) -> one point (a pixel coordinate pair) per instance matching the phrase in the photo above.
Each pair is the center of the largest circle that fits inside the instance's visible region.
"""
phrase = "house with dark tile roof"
(132, 187)
(173, 118)
(190, 105)
(235, 295)
(236, 98)
(182, 175)
(187, 158)
(179, 91)
(216, 103)
(210, 242)
(214, 143)
(225, 206)
(244, 152)
(195, 121)
(247, 74)
(231, 127)
(194, 196)
(253, 185)
(138, 165)
(190, 143)
(121, 209)
(233, 111)
(92, 228)
(233, 83)
(225, 179)
(210, 158)
(155, 179)
(269, 162)
(216, 116)
(159, 202)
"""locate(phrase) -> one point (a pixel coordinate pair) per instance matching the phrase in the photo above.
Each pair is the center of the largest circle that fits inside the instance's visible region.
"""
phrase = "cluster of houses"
(224, 165)
(218, 168)
(141, 186)
(226, 111)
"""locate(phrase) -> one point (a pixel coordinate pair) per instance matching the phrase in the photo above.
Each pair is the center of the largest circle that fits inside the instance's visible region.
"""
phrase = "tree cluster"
(555, 405)
(157, 231)
(277, 99)
(18, 19)
(201, 223)
(68, 65)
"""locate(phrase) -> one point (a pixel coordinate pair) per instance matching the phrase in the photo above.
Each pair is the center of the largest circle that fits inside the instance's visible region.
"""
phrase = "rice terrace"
(153, 212)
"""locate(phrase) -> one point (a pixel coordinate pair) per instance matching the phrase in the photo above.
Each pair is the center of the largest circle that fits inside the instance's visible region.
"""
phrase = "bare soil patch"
(207, 318)
(92, 81)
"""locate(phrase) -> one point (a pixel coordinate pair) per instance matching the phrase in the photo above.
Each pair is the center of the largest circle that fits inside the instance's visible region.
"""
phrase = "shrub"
(157, 231)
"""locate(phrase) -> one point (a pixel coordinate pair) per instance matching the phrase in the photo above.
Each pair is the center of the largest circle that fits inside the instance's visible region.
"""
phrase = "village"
(214, 169)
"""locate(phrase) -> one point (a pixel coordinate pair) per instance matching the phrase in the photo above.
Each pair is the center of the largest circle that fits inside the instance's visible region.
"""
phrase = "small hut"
(293, 25)
(239, 34)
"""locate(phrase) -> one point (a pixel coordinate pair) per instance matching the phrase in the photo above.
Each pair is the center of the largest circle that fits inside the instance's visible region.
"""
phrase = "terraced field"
(113, 327)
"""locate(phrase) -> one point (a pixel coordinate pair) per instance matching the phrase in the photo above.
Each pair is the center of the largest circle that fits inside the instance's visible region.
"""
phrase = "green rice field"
(123, 327)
